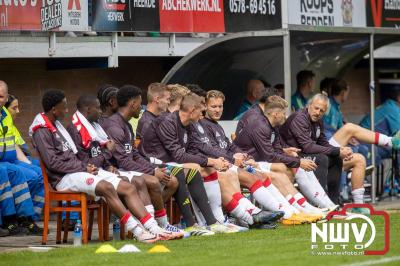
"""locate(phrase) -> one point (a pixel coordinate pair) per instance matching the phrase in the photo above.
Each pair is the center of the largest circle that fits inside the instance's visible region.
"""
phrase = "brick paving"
(17, 243)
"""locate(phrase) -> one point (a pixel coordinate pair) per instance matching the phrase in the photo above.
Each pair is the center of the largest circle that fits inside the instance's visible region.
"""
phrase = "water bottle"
(250, 169)
(168, 169)
(116, 230)
(78, 233)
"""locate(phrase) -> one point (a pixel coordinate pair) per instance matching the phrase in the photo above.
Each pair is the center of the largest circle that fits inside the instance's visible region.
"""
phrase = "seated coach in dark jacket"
(305, 130)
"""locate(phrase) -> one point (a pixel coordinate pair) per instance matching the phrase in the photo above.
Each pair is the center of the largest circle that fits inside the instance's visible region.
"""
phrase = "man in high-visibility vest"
(11, 153)
(33, 172)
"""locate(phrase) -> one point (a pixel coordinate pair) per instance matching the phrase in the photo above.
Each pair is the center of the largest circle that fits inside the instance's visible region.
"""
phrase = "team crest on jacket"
(66, 146)
(200, 129)
(217, 134)
(318, 133)
(185, 138)
(95, 151)
(205, 140)
(223, 144)
(128, 148)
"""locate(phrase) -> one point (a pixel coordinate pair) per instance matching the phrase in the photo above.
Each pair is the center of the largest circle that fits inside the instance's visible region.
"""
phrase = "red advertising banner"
(23, 16)
(44, 15)
(213, 16)
(191, 16)
(383, 13)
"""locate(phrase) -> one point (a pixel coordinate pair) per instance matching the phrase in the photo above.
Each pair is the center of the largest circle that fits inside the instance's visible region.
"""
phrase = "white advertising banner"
(329, 13)
(75, 15)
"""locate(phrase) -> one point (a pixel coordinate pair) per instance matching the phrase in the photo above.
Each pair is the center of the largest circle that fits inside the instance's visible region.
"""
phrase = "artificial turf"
(287, 245)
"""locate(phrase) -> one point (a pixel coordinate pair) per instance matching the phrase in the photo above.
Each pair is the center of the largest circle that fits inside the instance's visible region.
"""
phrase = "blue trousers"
(72, 215)
(7, 207)
(20, 190)
(34, 161)
(34, 178)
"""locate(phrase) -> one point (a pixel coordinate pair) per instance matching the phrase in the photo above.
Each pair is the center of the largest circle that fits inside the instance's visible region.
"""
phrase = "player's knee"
(232, 175)
(248, 177)
(279, 167)
(359, 160)
(278, 177)
(126, 188)
(124, 178)
(105, 189)
(173, 183)
(139, 182)
(350, 127)
(286, 179)
(222, 177)
(152, 183)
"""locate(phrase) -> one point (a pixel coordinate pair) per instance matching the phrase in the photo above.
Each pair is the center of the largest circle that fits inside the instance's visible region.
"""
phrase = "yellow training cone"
(106, 249)
(159, 249)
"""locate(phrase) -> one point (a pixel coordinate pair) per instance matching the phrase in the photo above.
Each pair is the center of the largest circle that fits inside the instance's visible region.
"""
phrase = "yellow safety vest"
(18, 138)
(7, 137)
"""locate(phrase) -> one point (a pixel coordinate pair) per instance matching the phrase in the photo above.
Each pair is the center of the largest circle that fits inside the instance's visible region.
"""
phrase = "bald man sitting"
(254, 91)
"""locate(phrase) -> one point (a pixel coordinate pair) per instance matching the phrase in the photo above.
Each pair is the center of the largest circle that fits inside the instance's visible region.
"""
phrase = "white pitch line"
(374, 262)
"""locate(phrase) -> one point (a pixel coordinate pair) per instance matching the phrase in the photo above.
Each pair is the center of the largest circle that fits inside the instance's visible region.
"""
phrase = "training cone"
(106, 249)
(159, 249)
(128, 248)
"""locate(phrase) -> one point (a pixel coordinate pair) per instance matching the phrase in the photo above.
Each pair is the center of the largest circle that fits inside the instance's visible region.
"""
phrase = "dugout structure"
(334, 42)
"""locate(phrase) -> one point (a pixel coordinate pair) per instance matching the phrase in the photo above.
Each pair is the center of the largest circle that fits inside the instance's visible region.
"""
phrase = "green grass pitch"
(287, 245)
